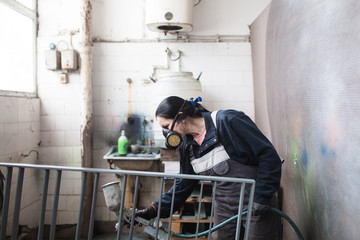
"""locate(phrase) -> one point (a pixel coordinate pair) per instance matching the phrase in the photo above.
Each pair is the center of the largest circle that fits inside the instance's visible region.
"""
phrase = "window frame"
(32, 14)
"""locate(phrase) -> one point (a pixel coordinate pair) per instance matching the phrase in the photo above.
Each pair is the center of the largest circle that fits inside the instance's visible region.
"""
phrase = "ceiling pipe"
(86, 118)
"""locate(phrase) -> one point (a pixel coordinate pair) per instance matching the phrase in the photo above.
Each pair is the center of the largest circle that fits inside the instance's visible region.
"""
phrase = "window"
(17, 47)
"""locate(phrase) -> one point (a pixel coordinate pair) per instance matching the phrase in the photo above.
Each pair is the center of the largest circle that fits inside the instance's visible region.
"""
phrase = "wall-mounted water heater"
(169, 15)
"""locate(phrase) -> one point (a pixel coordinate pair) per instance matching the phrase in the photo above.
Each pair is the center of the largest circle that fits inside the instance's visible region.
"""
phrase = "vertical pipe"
(43, 204)
(250, 205)
(121, 207)
(55, 205)
(5, 209)
(93, 206)
(212, 208)
(82, 196)
(159, 209)
(134, 206)
(86, 110)
(238, 224)
(172, 208)
(19, 186)
(199, 209)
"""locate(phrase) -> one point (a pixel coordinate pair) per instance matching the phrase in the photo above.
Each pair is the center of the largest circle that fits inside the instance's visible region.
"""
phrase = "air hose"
(179, 235)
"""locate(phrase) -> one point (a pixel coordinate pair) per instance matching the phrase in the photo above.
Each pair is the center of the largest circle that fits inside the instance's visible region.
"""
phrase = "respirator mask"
(173, 138)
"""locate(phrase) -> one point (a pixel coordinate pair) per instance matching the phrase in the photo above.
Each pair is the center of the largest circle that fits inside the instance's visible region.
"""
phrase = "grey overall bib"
(218, 163)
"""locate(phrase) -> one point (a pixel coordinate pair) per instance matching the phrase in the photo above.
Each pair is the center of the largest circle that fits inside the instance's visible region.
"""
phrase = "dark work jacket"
(243, 142)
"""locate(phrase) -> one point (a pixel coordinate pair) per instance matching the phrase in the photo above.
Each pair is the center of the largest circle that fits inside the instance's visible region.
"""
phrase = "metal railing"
(46, 169)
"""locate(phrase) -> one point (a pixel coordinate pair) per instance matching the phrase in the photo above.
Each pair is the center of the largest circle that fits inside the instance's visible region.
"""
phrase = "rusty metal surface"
(313, 89)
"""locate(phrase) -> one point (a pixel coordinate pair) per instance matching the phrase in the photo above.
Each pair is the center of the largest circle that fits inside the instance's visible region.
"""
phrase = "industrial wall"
(312, 86)
(124, 48)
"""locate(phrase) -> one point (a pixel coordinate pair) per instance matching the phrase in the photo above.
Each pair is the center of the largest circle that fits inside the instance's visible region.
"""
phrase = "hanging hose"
(179, 235)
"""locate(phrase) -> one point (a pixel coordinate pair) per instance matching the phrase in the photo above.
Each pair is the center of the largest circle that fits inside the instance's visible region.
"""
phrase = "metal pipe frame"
(85, 171)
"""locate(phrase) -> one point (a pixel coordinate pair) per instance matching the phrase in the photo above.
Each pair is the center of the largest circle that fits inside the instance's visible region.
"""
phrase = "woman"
(241, 150)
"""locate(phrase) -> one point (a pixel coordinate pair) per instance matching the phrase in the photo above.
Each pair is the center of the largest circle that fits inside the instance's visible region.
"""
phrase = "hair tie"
(193, 102)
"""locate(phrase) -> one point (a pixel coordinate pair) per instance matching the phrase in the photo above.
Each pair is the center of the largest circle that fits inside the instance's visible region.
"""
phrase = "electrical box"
(52, 59)
(69, 60)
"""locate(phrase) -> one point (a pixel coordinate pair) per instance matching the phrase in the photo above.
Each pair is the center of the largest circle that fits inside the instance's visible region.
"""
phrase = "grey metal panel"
(313, 88)
(258, 46)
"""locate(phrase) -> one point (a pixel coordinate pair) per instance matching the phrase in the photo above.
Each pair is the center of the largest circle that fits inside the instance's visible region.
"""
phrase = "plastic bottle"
(123, 144)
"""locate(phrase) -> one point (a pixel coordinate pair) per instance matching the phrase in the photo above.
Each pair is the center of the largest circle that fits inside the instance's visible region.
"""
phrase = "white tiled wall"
(19, 140)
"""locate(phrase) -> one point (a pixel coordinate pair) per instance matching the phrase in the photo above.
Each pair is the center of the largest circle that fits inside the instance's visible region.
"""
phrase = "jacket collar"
(211, 137)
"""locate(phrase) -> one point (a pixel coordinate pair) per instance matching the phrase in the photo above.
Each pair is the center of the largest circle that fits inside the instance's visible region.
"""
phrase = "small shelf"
(185, 220)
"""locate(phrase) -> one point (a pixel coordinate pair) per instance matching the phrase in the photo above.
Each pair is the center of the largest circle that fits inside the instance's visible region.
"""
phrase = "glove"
(147, 213)
(260, 209)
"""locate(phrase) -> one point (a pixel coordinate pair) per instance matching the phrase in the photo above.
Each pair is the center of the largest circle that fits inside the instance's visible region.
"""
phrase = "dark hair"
(170, 106)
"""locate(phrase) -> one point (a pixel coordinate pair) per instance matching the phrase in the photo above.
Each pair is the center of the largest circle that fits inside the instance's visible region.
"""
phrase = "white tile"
(101, 109)
(11, 110)
(99, 49)
(48, 123)
(57, 138)
(36, 108)
(95, 93)
(62, 203)
(26, 136)
(106, 93)
(77, 155)
(235, 63)
(52, 107)
(64, 154)
(77, 185)
(2, 109)
(45, 138)
(50, 198)
(26, 110)
(75, 122)
(11, 137)
(73, 203)
(72, 138)
(214, 79)
(48, 155)
(66, 187)
(121, 93)
(62, 122)
(35, 126)
(72, 106)
(99, 139)
(248, 79)
(67, 217)
(2, 139)
(236, 78)
(240, 48)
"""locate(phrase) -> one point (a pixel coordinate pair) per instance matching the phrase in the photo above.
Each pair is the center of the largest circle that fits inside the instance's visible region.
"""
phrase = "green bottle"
(123, 144)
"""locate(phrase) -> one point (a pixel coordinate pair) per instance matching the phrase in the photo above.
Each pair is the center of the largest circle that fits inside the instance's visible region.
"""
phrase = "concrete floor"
(112, 236)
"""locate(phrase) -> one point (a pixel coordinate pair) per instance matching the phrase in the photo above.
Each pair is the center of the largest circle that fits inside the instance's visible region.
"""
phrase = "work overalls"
(218, 163)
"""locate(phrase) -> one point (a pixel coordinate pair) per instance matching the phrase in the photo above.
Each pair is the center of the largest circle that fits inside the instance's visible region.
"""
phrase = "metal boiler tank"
(181, 84)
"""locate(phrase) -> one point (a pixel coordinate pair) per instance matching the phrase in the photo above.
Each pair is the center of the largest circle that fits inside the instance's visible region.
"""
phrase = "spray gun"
(112, 194)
